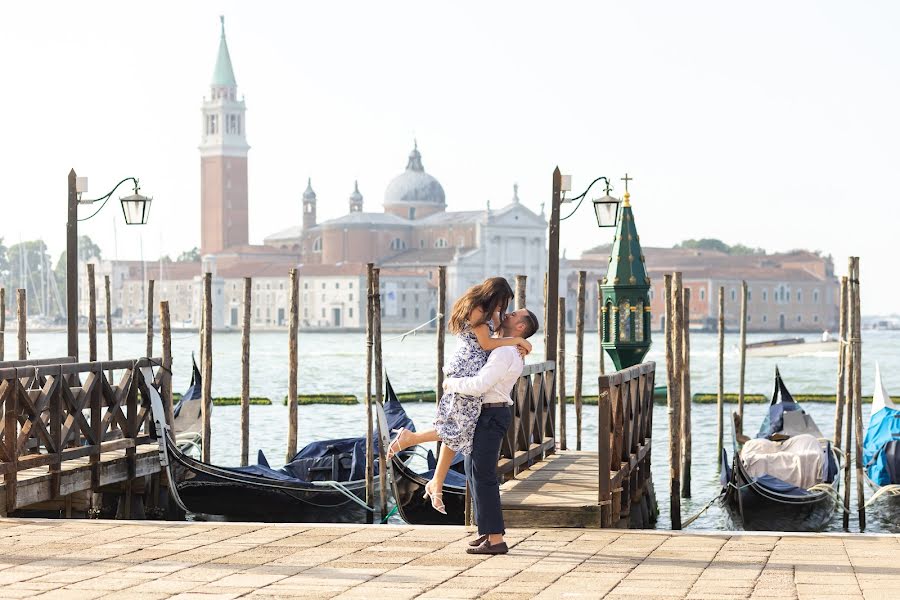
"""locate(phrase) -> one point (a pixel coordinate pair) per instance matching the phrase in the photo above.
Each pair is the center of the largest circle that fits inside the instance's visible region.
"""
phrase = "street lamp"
(135, 208)
(606, 210)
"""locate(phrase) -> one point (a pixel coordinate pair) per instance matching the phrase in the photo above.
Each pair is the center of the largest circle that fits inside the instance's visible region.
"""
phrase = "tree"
(30, 269)
(719, 246)
(192, 255)
(4, 263)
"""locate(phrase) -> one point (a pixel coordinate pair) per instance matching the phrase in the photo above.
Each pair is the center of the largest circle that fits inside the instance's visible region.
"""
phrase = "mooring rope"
(694, 517)
(402, 336)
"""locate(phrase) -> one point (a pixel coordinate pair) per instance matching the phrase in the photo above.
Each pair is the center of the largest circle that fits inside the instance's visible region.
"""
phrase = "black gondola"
(767, 503)
(325, 483)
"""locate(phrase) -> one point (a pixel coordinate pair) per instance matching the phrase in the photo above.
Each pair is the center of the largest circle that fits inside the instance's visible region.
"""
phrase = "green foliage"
(4, 263)
(304, 399)
(719, 246)
(417, 396)
(28, 266)
(192, 255)
(762, 399)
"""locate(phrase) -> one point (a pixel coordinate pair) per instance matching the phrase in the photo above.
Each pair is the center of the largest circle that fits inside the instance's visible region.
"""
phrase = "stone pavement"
(121, 560)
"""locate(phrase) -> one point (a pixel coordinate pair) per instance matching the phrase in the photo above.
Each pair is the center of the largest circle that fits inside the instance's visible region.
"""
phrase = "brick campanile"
(223, 161)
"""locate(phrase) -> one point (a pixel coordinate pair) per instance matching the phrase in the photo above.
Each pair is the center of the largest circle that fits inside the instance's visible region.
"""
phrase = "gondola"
(324, 483)
(755, 498)
(408, 488)
(881, 447)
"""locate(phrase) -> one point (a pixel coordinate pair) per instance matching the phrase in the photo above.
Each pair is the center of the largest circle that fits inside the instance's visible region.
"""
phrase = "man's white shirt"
(496, 378)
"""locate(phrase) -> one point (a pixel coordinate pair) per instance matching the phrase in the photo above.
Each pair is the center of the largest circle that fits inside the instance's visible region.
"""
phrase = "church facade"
(411, 235)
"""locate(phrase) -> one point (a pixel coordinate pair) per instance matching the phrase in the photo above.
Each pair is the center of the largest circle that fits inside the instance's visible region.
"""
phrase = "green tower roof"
(223, 74)
(626, 260)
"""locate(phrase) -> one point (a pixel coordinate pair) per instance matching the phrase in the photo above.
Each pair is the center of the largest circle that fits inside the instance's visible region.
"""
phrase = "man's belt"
(494, 404)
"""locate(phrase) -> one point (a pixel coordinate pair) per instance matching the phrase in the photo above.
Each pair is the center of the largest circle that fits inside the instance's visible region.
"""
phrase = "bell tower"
(224, 221)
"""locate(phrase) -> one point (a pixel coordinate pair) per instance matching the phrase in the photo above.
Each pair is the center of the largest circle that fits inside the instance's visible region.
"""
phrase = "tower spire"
(223, 75)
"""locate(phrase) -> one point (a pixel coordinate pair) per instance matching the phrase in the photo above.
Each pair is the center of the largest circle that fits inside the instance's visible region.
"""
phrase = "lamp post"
(606, 209)
(135, 208)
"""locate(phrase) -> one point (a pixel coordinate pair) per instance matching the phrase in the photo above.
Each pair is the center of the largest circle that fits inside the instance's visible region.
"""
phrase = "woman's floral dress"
(457, 414)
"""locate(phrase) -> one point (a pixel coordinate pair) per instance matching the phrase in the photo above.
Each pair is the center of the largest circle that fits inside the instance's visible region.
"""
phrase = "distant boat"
(785, 479)
(790, 347)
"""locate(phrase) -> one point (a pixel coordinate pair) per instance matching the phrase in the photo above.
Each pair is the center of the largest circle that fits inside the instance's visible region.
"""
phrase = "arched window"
(815, 296)
(440, 243)
(624, 321)
(398, 244)
(639, 321)
(317, 244)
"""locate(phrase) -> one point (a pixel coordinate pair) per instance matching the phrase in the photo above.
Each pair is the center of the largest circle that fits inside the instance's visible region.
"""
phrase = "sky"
(772, 124)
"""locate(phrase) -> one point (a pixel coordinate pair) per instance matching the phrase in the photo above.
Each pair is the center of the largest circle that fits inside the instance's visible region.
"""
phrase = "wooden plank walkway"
(123, 560)
(560, 491)
(34, 485)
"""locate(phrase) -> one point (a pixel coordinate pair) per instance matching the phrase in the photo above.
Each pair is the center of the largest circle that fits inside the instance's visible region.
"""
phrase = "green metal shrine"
(625, 292)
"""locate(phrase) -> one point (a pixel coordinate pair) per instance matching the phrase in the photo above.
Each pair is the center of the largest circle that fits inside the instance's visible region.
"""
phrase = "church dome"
(414, 186)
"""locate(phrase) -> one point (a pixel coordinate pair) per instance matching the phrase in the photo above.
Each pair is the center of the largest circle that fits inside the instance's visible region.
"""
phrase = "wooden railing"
(625, 422)
(57, 410)
(532, 433)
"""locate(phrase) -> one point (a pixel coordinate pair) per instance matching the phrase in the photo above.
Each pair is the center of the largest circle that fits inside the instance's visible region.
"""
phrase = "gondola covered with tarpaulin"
(881, 448)
(785, 479)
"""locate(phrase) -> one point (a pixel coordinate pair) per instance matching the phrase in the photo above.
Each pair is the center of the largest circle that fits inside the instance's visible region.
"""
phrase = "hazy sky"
(773, 124)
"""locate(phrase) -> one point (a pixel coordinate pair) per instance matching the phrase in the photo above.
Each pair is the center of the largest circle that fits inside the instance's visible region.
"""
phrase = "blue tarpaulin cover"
(880, 453)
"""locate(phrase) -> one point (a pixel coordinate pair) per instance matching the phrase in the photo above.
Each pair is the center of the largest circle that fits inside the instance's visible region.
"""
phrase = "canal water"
(335, 363)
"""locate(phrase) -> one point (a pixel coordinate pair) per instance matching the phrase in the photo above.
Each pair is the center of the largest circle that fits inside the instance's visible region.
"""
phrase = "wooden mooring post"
(150, 285)
(370, 429)
(206, 394)
(293, 326)
(21, 323)
(379, 389)
(848, 403)
(2, 323)
(856, 382)
(720, 395)
(600, 319)
(92, 314)
(165, 332)
(579, 354)
(840, 395)
(545, 323)
(441, 330)
(743, 350)
(245, 371)
(109, 333)
(686, 394)
(673, 353)
(561, 369)
(521, 282)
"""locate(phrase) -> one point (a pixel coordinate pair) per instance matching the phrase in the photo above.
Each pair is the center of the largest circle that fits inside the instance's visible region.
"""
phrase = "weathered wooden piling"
(150, 283)
(561, 369)
(579, 354)
(545, 323)
(2, 323)
(165, 331)
(293, 326)
(206, 395)
(840, 396)
(245, 372)
(602, 352)
(379, 388)
(441, 329)
(743, 349)
(109, 336)
(720, 400)
(848, 397)
(856, 348)
(370, 429)
(686, 394)
(21, 323)
(673, 324)
(521, 281)
(92, 314)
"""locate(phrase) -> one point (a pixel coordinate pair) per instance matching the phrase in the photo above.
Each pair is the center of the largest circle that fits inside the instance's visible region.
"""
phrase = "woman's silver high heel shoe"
(437, 498)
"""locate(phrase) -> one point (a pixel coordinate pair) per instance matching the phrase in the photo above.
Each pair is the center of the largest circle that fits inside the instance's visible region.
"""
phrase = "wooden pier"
(123, 560)
(68, 431)
(609, 487)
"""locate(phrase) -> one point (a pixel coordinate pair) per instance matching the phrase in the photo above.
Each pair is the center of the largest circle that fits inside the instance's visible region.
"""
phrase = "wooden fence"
(532, 433)
(625, 425)
(67, 427)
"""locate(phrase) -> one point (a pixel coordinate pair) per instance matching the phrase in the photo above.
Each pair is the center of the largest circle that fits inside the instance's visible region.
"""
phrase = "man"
(495, 381)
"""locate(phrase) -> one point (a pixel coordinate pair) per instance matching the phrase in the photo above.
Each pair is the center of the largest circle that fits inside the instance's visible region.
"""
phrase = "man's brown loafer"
(478, 541)
(487, 548)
